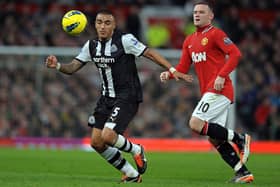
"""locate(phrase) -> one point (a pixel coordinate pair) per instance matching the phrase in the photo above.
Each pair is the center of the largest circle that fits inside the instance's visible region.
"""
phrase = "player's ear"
(114, 24)
(211, 15)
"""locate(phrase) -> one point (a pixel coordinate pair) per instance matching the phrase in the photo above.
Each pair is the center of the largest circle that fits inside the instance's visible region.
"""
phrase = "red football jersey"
(213, 54)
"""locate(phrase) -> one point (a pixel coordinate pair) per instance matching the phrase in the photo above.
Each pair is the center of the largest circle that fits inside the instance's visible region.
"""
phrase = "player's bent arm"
(70, 68)
(232, 62)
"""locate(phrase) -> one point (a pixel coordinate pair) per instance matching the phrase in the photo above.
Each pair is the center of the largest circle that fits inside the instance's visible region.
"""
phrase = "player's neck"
(106, 39)
(202, 28)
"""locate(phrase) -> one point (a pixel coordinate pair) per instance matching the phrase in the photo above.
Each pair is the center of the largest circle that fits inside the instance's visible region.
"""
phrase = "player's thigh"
(122, 113)
(212, 108)
(101, 112)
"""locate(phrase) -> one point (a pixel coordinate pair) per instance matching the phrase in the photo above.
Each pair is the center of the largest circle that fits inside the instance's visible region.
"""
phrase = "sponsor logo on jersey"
(103, 62)
(199, 57)
(106, 60)
(227, 41)
(204, 41)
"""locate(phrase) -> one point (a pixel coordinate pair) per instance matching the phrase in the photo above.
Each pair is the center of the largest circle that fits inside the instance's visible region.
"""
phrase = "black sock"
(237, 138)
(228, 154)
(243, 170)
(215, 131)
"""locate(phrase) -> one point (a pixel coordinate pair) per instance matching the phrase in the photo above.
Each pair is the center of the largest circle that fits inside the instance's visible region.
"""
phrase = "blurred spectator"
(158, 36)
(262, 119)
(133, 22)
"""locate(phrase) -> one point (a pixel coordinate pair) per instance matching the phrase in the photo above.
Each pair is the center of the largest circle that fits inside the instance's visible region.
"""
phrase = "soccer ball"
(74, 22)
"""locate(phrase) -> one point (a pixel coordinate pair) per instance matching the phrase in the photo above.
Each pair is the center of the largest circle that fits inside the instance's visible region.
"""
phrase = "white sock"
(129, 170)
(230, 134)
(124, 144)
(112, 153)
(237, 166)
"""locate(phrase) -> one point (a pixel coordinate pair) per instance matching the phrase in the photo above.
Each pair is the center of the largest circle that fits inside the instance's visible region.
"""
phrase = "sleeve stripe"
(81, 61)
(143, 51)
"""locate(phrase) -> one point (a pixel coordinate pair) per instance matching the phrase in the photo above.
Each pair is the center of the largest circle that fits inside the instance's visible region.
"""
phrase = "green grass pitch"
(75, 168)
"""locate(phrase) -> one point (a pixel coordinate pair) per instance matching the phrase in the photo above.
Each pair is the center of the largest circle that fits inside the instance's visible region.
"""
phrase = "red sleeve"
(228, 47)
(185, 61)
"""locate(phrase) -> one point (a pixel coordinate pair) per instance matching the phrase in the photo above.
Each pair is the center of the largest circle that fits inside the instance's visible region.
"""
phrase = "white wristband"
(58, 66)
(172, 70)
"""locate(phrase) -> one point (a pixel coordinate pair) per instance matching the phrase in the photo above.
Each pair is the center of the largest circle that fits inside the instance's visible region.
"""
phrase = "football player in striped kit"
(113, 53)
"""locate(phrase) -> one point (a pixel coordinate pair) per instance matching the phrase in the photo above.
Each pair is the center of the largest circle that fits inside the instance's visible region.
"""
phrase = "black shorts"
(116, 112)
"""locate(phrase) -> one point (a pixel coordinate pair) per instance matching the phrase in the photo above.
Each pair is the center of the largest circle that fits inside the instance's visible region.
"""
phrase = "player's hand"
(51, 61)
(219, 83)
(178, 75)
(164, 76)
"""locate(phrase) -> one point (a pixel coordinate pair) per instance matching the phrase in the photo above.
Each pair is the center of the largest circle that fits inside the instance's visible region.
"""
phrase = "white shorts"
(212, 108)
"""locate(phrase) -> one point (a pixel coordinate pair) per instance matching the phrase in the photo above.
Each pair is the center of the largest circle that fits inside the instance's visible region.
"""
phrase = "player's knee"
(98, 145)
(192, 123)
(196, 124)
(108, 135)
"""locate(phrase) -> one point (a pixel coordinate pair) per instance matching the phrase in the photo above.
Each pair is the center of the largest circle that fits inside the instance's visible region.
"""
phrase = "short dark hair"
(105, 11)
(209, 3)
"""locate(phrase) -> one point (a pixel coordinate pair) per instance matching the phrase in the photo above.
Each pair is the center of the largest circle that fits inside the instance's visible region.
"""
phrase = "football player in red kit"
(214, 57)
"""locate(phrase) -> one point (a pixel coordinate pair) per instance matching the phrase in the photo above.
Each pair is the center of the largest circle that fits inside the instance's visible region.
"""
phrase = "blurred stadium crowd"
(62, 106)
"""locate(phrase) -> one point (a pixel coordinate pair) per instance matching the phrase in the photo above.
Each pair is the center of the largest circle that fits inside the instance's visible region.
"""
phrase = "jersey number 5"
(116, 111)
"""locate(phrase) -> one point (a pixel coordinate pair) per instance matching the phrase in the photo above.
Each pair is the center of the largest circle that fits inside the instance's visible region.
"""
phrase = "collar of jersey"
(205, 28)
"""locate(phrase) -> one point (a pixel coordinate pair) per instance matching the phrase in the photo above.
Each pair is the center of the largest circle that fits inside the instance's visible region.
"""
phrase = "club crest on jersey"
(91, 120)
(204, 41)
(113, 48)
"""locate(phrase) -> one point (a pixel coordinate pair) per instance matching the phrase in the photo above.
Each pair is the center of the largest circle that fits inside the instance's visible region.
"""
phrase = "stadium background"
(36, 102)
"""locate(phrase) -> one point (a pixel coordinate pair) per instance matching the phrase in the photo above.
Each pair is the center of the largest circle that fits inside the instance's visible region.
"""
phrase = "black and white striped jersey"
(115, 61)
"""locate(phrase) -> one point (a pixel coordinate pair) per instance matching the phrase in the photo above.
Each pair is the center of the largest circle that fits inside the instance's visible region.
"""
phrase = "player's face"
(105, 25)
(202, 15)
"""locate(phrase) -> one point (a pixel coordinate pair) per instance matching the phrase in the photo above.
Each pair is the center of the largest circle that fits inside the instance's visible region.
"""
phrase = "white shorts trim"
(212, 108)
(110, 125)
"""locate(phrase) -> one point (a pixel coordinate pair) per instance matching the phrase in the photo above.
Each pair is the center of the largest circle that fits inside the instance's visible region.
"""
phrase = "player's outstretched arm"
(182, 76)
(70, 68)
(160, 60)
(166, 75)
